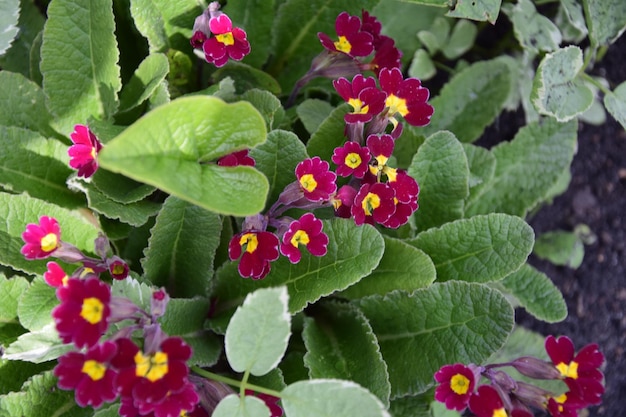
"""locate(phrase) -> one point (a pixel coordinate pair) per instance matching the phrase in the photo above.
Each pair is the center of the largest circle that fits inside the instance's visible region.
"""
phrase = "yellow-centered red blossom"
(151, 367)
(459, 384)
(358, 106)
(396, 105)
(568, 370)
(49, 242)
(94, 369)
(92, 310)
(353, 160)
(226, 38)
(300, 237)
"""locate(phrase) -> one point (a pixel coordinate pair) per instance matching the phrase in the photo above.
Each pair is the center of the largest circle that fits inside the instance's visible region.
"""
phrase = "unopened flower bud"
(535, 368)
(158, 302)
(531, 395)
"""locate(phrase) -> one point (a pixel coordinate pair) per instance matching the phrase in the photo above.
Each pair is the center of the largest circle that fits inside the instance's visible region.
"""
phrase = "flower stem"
(242, 385)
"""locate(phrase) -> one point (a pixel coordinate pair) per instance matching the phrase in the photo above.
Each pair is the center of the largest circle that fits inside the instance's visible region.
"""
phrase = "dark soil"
(595, 292)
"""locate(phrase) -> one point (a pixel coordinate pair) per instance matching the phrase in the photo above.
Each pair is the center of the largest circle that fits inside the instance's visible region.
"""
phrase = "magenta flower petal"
(486, 402)
(315, 180)
(257, 250)
(84, 151)
(55, 276)
(364, 97)
(236, 159)
(305, 232)
(352, 40)
(374, 203)
(351, 159)
(456, 385)
(41, 239)
(406, 97)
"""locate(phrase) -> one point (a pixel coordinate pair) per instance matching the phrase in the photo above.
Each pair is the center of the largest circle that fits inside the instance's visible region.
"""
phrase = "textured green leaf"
(182, 137)
(478, 249)
(139, 293)
(441, 170)
(436, 3)
(482, 166)
(267, 104)
(527, 168)
(258, 333)
(79, 57)
(477, 10)
(615, 103)
(30, 24)
(10, 292)
(534, 291)
(29, 163)
(9, 16)
(560, 248)
(177, 17)
(534, 31)
(446, 323)
(22, 104)
(257, 18)
(341, 344)
(557, 91)
(150, 73)
(422, 66)
(246, 77)
(402, 267)
(35, 306)
(330, 397)
(120, 188)
(39, 346)
(571, 21)
(606, 20)
(181, 248)
(471, 100)
(248, 406)
(329, 135)
(14, 373)
(150, 24)
(414, 406)
(312, 112)
(277, 159)
(19, 210)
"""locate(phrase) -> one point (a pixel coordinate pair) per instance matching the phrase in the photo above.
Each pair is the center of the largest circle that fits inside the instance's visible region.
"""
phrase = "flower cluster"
(215, 36)
(503, 396)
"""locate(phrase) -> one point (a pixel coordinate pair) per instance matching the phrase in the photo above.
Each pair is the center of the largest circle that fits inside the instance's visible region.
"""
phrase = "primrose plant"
(259, 210)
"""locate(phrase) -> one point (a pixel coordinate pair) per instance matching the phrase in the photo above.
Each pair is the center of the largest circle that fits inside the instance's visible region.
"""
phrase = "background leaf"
(615, 103)
(35, 306)
(606, 20)
(248, 406)
(256, 17)
(534, 31)
(560, 248)
(147, 77)
(477, 10)
(39, 346)
(30, 24)
(150, 23)
(22, 104)
(9, 16)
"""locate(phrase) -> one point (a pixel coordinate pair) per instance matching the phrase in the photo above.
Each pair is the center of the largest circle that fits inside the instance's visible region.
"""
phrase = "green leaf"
(341, 344)
(22, 104)
(181, 248)
(435, 3)
(175, 16)
(35, 306)
(422, 67)
(248, 406)
(81, 77)
(258, 333)
(139, 293)
(441, 170)
(329, 135)
(461, 39)
(606, 20)
(476, 10)
(471, 100)
(9, 16)
(29, 24)
(182, 137)
(482, 166)
(150, 73)
(257, 17)
(571, 21)
(10, 292)
(478, 249)
(14, 373)
(445, 323)
(534, 31)
(120, 188)
(527, 168)
(29, 163)
(277, 159)
(267, 104)
(560, 248)
(402, 267)
(20, 210)
(312, 112)
(615, 103)
(330, 397)
(150, 24)
(39, 346)
(557, 91)
(246, 77)
(534, 291)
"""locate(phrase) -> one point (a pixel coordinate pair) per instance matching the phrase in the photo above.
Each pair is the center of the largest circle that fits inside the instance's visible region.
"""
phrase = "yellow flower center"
(92, 310)
(396, 105)
(249, 242)
(300, 237)
(93, 152)
(118, 269)
(568, 370)
(391, 173)
(64, 280)
(343, 45)
(94, 369)
(459, 384)
(49, 242)
(358, 106)
(352, 160)
(226, 38)
(336, 203)
(370, 202)
(308, 182)
(152, 367)
(500, 412)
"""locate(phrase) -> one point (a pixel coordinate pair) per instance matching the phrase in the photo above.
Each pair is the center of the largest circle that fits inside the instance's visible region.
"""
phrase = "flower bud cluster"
(501, 396)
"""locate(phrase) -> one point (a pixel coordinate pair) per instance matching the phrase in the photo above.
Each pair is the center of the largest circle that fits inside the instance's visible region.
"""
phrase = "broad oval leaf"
(258, 333)
(445, 323)
(35, 306)
(534, 31)
(615, 103)
(37, 347)
(172, 146)
(22, 104)
(478, 249)
(248, 406)
(330, 398)
(149, 21)
(482, 166)
(606, 20)
(10, 292)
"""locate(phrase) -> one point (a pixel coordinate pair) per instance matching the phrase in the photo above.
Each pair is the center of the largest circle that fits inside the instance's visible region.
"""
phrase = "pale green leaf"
(435, 3)
(560, 248)
(339, 343)
(139, 293)
(330, 398)
(471, 100)
(479, 249)
(477, 10)
(482, 166)
(258, 333)
(79, 57)
(150, 73)
(312, 112)
(402, 267)
(534, 291)
(10, 292)
(178, 142)
(533, 30)
(9, 16)
(35, 306)
(22, 104)
(13, 374)
(329, 135)
(441, 170)
(39, 346)
(606, 20)
(181, 248)
(615, 103)
(571, 20)
(178, 17)
(248, 406)
(557, 91)
(461, 39)
(422, 67)
(150, 24)
(446, 323)
(527, 168)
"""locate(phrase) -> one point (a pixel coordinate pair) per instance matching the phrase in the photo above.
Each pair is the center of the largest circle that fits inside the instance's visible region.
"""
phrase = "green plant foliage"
(22, 104)
(329, 135)
(150, 73)
(246, 77)
(534, 31)
(615, 103)
(29, 25)
(312, 112)
(9, 15)
(10, 292)
(482, 166)
(477, 9)
(36, 304)
(150, 23)
(606, 20)
(248, 406)
(37, 347)
(560, 248)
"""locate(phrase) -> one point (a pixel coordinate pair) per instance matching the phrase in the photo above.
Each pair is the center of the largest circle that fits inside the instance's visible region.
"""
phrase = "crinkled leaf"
(329, 135)
(150, 23)
(181, 248)
(248, 406)
(560, 248)
(39, 346)
(29, 24)
(478, 249)
(147, 77)
(477, 10)
(138, 292)
(402, 267)
(258, 333)
(340, 342)
(615, 103)
(441, 170)
(22, 104)
(414, 406)
(534, 291)
(557, 91)
(606, 20)
(533, 30)
(20, 210)
(246, 77)
(445, 323)
(14, 373)
(10, 292)
(9, 16)
(35, 306)
(482, 166)
(527, 168)
(178, 17)
(79, 57)
(471, 100)
(257, 18)
(312, 112)
(330, 398)
(267, 104)
(178, 142)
